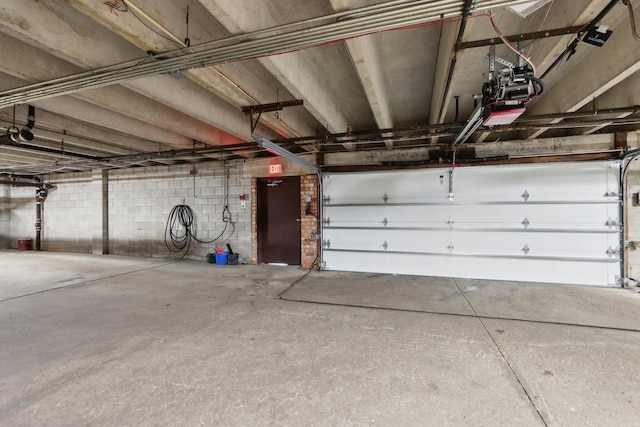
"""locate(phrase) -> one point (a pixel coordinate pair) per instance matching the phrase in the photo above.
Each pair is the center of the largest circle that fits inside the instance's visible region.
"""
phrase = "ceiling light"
(279, 151)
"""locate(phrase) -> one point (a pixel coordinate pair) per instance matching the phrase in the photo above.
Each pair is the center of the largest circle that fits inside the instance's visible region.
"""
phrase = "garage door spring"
(179, 231)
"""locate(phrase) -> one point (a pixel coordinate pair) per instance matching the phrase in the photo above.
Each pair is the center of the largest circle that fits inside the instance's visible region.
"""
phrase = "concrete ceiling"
(397, 73)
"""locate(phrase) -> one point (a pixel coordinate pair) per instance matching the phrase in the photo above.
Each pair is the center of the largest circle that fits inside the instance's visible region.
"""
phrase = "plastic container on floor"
(211, 258)
(232, 259)
(222, 258)
(24, 244)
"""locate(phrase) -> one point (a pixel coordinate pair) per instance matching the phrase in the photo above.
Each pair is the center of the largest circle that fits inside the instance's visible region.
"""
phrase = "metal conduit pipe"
(212, 44)
(195, 56)
(632, 19)
(579, 114)
(452, 65)
(60, 153)
(183, 53)
(41, 194)
(183, 59)
(448, 126)
(31, 118)
(230, 53)
(272, 45)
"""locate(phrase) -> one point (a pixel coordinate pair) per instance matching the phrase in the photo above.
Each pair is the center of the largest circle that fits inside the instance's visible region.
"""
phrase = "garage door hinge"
(611, 193)
(612, 252)
(525, 195)
(525, 249)
(385, 221)
(621, 281)
(326, 221)
(385, 245)
(525, 222)
(326, 243)
(616, 164)
(612, 223)
(385, 197)
(450, 247)
(326, 199)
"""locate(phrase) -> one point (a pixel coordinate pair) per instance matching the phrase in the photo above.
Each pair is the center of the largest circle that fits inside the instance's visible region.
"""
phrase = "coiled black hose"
(179, 232)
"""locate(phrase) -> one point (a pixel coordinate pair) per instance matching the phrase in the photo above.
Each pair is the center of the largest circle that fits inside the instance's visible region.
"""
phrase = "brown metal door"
(279, 220)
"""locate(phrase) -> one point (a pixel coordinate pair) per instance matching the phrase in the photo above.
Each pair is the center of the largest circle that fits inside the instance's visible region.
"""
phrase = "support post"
(100, 181)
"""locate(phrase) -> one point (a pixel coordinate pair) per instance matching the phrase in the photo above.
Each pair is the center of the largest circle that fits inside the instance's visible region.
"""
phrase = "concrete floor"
(107, 340)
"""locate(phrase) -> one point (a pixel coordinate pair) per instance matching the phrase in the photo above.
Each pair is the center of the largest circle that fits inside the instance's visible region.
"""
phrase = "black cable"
(441, 313)
(571, 48)
(309, 270)
(179, 231)
(537, 84)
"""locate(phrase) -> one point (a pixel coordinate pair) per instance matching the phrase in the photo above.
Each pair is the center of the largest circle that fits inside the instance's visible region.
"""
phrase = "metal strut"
(250, 110)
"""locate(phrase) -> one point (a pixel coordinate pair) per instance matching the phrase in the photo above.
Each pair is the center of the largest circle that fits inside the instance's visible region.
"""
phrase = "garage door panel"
(577, 245)
(372, 187)
(525, 216)
(535, 216)
(545, 271)
(396, 240)
(531, 244)
(396, 216)
(521, 222)
(571, 182)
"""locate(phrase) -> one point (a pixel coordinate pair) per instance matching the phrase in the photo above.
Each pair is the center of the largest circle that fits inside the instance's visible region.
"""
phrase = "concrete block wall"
(5, 215)
(141, 199)
(138, 203)
(67, 214)
(22, 215)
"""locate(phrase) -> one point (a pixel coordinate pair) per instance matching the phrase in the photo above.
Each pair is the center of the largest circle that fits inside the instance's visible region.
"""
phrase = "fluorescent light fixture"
(527, 8)
(279, 151)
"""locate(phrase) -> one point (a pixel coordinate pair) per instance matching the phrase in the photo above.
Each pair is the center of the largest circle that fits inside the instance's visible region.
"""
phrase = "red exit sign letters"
(275, 169)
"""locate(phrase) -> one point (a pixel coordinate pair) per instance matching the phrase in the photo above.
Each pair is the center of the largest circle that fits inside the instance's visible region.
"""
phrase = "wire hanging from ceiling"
(117, 6)
(632, 19)
(510, 45)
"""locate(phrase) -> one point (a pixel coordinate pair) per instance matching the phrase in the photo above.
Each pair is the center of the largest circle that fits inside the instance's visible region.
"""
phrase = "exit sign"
(275, 169)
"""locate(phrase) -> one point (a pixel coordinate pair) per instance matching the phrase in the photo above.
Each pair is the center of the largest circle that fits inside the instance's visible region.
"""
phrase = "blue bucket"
(222, 258)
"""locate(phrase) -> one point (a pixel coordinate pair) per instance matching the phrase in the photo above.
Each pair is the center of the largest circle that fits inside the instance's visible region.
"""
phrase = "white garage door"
(553, 222)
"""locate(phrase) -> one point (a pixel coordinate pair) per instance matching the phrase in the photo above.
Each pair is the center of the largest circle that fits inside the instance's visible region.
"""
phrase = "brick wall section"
(309, 222)
(254, 221)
